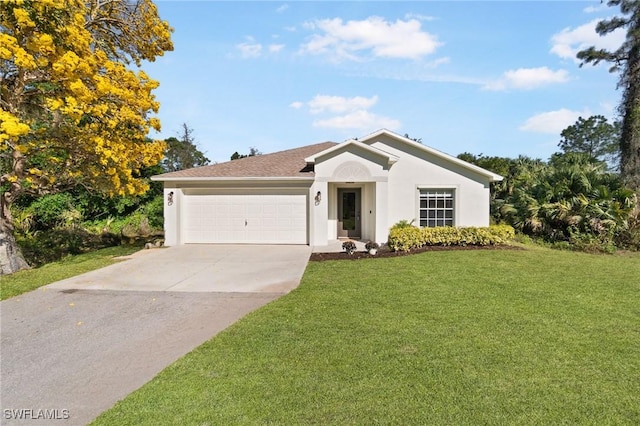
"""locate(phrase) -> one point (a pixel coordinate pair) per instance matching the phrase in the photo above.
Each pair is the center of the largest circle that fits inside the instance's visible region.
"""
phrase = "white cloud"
(339, 104)
(423, 72)
(249, 49)
(282, 8)
(594, 9)
(274, 48)
(437, 62)
(568, 42)
(553, 122)
(528, 78)
(346, 113)
(359, 119)
(375, 36)
(419, 17)
(252, 49)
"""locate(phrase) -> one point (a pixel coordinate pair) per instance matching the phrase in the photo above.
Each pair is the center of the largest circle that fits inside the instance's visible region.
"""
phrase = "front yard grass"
(459, 337)
(72, 265)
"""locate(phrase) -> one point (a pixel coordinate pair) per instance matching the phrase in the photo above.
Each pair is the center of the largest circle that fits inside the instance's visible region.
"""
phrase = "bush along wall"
(409, 238)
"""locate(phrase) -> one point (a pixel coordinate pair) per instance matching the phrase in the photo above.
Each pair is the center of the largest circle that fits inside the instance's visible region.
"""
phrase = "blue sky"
(498, 77)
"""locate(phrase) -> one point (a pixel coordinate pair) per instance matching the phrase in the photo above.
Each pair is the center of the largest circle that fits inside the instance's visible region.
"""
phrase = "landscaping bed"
(386, 252)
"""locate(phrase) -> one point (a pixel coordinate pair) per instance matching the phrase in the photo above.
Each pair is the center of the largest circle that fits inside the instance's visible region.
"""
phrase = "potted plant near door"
(349, 247)
(372, 247)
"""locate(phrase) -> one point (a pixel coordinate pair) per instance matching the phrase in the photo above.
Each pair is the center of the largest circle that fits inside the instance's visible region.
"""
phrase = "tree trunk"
(11, 259)
(630, 138)
(630, 141)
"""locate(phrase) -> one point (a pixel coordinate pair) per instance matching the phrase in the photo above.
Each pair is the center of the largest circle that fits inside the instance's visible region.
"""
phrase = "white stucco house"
(318, 193)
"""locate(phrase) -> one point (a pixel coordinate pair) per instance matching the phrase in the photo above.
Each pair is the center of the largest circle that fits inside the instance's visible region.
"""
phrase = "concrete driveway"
(201, 268)
(72, 349)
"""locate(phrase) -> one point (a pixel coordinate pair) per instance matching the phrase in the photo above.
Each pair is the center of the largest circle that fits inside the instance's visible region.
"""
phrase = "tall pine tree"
(626, 61)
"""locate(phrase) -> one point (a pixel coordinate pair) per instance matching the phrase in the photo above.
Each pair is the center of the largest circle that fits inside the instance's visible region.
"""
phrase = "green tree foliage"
(253, 151)
(505, 167)
(406, 135)
(50, 211)
(96, 206)
(499, 165)
(571, 194)
(183, 153)
(594, 136)
(626, 61)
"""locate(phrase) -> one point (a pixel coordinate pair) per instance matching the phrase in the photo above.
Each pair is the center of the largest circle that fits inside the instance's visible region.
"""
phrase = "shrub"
(110, 224)
(591, 242)
(404, 223)
(51, 245)
(23, 220)
(406, 239)
(55, 210)
(154, 211)
(629, 236)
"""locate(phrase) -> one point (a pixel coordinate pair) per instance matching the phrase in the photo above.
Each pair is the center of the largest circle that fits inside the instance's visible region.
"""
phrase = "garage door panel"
(223, 210)
(266, 219)
(269, 223)
(254, 211)
(270, 209)
(269, 234)
(298, 211)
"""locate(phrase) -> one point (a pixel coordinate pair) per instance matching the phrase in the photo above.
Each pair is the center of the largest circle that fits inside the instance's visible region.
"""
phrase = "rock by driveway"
(70, 351)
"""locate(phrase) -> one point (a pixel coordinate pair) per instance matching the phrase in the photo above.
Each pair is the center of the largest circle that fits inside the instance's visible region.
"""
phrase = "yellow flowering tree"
(73, 108)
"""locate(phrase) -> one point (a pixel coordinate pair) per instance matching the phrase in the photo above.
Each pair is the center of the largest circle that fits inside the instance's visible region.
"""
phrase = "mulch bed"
(386, 252)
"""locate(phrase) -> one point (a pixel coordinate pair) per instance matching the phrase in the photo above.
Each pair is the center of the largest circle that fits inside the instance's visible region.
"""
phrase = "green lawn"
(24, 281)
(458, 337)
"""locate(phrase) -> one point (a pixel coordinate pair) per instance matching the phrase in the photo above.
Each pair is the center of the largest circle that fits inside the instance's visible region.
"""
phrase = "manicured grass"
(459, 337)
(24, 281)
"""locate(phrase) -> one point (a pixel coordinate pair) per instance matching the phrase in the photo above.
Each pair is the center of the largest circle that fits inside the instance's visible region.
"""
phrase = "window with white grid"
(436, 208)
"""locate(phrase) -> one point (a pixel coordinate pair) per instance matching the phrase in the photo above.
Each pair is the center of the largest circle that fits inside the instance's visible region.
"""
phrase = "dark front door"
(349, 212)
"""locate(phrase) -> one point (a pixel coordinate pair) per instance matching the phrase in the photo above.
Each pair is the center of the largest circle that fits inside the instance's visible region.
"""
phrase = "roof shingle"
(286, 164)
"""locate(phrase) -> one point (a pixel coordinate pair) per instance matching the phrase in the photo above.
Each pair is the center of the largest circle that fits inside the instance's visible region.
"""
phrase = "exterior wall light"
(170, 198)
(318, 198)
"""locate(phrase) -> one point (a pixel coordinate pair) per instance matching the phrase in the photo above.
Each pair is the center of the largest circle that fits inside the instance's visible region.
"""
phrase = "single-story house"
(314, 194)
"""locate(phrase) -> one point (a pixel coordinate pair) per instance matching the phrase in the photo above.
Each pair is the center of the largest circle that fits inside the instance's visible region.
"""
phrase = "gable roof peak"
(494, 177)
(391, 159)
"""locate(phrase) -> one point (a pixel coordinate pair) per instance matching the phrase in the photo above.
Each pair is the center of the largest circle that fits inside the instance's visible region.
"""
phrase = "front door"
(349, 212)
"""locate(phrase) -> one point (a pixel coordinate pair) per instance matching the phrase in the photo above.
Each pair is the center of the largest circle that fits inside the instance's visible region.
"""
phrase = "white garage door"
(255, 219)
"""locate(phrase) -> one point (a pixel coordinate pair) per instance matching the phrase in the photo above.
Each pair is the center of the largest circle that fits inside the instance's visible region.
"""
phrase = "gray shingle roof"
(285, 164)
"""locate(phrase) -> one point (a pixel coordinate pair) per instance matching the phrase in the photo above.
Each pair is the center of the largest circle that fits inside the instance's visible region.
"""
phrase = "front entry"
(349, 212)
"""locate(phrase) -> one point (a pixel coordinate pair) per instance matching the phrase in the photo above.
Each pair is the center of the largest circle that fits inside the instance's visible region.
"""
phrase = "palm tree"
(571, 194)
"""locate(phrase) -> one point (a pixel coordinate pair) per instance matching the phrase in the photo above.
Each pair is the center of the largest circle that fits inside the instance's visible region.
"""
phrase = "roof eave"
(159, 178)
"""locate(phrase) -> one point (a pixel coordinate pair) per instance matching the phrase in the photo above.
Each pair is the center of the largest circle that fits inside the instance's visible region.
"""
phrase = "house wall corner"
(318, 214)
(381, 212)
(172, 199)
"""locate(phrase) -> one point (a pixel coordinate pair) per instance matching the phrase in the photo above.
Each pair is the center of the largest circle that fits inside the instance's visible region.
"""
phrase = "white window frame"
(440, 210)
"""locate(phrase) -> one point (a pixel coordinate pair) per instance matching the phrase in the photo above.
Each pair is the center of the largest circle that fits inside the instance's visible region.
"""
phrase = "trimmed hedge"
(406, 239)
